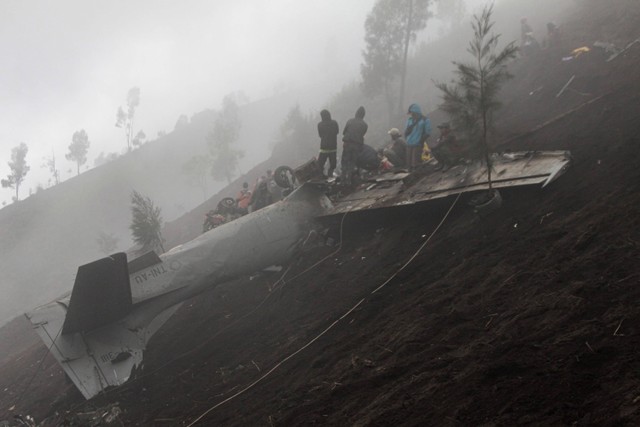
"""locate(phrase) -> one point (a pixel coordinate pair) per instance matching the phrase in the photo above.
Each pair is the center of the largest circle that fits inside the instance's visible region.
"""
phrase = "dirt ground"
(529, 316)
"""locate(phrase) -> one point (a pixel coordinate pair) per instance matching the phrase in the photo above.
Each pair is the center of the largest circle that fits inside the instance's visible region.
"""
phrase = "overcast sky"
(68, 64)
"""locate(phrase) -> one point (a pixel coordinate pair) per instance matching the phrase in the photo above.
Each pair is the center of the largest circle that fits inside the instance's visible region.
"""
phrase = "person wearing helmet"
(396, 152)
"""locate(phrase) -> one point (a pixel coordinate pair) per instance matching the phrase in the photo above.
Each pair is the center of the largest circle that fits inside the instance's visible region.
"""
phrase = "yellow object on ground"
(426, 153)
(579, 51)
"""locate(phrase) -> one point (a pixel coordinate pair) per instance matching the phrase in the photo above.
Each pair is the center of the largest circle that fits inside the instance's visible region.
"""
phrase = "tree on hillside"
(139, 139)
(125, 119)
(105, 158)
(451, 10)
(297, 136)
(182, 121)
(225, 132)
(78, 149)
(390, 27)
(197, 169)
(472, 99)
(50, 163)
(146, 223)
(19, 168)
(108, 243)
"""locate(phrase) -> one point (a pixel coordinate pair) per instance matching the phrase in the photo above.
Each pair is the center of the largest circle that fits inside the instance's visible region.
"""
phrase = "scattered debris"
(614, 56)
(565, 86)
(545, 216)
(19, 421)
(575, 53)
(609, 48)
(536, 90)
(589, 347)
(615, 333)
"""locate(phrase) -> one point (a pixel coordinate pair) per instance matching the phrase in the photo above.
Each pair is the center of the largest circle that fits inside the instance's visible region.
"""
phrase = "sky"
(68, 65)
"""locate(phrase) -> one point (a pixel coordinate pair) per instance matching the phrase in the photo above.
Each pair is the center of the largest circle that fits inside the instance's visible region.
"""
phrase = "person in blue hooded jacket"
(416, 133)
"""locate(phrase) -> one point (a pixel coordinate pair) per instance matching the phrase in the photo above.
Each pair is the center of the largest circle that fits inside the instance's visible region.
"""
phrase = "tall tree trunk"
(485, 143)
(389, 99)
(403, 72)
(483, 108)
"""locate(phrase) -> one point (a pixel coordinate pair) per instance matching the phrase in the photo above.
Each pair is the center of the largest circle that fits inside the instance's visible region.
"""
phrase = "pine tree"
(146, 223)
(472, 99)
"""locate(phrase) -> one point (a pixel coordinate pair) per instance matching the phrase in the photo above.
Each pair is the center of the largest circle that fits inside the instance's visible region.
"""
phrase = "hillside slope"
(526, 317)
(74, 213)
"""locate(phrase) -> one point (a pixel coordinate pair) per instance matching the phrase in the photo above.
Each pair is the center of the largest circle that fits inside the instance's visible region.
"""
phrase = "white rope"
(328, 328)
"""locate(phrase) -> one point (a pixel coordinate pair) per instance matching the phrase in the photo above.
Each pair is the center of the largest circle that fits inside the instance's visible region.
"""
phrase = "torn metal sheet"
(509, 170)
(621, 51)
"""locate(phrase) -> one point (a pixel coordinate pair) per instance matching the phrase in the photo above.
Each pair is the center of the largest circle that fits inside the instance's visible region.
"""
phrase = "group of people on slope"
(528, 42)
(405, 150)
(265, 192)
(353, 150)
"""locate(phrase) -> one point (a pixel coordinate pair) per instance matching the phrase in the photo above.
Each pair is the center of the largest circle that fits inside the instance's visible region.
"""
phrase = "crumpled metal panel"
(510, 170)
(104, 355)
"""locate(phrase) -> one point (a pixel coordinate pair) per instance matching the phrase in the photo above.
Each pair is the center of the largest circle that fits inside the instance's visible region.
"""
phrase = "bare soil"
(529, 316)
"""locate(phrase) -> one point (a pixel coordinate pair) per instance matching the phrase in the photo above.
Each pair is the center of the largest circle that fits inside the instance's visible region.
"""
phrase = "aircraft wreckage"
(99, 332)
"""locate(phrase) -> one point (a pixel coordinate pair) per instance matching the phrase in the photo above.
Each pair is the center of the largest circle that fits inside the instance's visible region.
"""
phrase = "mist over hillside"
(44, 238)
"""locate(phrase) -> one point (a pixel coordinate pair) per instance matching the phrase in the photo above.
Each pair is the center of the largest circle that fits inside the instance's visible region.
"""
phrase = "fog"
(69, 64)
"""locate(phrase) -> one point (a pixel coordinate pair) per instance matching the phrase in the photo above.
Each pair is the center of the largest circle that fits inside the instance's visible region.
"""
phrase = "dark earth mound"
(529, 316)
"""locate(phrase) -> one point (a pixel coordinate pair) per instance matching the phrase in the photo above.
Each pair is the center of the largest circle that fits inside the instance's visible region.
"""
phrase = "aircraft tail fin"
(94, 360)
(101, 295)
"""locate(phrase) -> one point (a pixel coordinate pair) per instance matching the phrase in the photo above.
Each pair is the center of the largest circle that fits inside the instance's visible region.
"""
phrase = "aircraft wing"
(509, 170)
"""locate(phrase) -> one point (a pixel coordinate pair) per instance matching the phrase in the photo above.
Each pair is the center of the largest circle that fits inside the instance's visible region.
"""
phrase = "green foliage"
(125, 119)
(472, 99)
(146, 222)
(78, 148)
(389, 29)
(225, 132)
(19, 168)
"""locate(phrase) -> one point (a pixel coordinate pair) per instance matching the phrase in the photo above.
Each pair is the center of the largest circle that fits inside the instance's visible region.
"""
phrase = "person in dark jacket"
(446, 149)
(353, 138)
(328, 132)
(368, 159)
